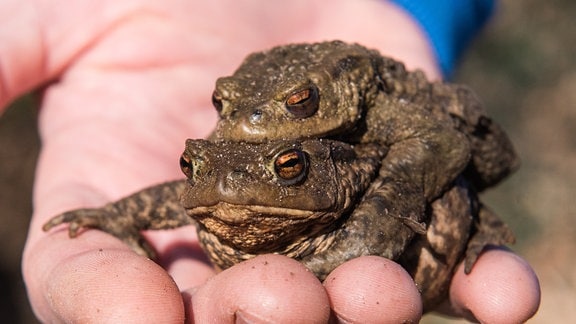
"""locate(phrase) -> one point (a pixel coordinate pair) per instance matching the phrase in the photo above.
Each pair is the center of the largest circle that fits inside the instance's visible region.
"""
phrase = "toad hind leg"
(154, 208)
(104, 220)
(490, 231)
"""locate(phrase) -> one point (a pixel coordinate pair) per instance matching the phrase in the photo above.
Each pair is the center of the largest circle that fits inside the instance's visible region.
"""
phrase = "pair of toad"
(326, 152)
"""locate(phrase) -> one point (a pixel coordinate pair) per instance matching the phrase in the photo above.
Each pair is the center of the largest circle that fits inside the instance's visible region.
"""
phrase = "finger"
(180, 254)
(373, 290)
(268, 288)
(502, 288)
(80, 283)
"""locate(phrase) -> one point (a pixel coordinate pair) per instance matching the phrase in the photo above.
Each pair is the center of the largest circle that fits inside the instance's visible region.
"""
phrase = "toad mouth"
(234, 215)
(259, 229)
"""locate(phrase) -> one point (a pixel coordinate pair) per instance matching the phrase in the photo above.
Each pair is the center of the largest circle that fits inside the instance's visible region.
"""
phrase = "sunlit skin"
(125, 82)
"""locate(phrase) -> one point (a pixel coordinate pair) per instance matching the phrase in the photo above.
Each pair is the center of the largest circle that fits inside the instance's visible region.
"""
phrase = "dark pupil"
(290, 164)
(304, 103)
(299, 97)
(186, 166)
(217, 100)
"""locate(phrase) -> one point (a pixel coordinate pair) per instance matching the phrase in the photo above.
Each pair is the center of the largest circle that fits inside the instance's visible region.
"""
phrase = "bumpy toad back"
(346, 91)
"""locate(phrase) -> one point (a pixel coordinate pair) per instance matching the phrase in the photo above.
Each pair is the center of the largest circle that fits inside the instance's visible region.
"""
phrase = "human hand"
(131, 81)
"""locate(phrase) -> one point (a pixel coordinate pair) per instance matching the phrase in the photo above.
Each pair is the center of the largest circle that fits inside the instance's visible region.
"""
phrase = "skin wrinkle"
(128, 21)
(68, 43)
(152, 22)
(74, 45)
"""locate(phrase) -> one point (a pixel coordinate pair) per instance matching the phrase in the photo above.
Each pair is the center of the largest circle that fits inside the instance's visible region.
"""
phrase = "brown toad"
(354, 94)
(317, 201)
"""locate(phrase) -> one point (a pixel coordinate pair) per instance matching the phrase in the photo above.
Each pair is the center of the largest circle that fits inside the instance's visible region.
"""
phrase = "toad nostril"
(256, 116)
(232, 184)
(237, 174)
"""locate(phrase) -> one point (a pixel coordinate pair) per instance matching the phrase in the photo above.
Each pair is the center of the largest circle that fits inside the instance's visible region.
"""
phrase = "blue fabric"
(450, 24)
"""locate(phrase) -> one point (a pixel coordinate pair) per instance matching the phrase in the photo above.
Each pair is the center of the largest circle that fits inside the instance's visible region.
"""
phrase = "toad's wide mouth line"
(234, 214)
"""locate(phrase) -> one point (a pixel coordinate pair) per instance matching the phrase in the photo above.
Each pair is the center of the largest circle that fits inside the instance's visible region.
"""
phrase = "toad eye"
(303, 103)
(186, 166)
(291, 166)
(217, 100)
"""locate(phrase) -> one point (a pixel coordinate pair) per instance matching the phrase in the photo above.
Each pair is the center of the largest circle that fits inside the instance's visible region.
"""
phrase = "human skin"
(124, 84)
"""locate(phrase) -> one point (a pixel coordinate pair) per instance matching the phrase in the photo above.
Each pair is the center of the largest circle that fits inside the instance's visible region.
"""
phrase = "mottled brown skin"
(154, 208)
(455, 218)
(348, 92)
(318, 201)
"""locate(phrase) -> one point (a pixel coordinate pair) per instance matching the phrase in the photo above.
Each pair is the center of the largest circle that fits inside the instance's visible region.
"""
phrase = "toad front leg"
(425, 148)
(429, 151)
(154, 208)
(426, 154)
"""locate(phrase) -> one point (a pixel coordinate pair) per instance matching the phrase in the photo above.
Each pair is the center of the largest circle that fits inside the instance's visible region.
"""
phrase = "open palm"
(124, 84)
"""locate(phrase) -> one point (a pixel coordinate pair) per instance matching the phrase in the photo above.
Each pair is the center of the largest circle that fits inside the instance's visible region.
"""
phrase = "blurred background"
(524, 69)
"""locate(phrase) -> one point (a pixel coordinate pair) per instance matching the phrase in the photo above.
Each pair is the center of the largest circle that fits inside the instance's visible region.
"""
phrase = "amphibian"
(313, 200)
(348, 92)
